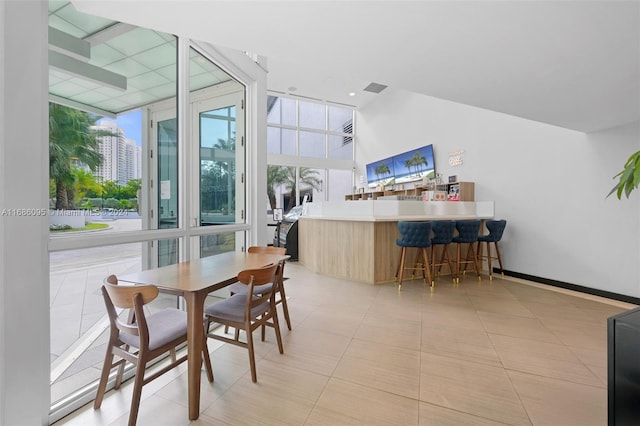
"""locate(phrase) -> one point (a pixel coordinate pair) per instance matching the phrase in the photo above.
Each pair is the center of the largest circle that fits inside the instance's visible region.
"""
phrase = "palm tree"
(286, 176)
(73, 137)
(408, 163)
(418, 159)
(382, 169)
(85, 182)
(276, 176)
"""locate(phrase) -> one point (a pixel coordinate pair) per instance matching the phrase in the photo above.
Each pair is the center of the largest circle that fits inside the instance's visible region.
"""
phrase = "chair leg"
(252, 358)
(458, 254)
(499, 258)
(445, 252)
(285, 307)
(120, 373)
(137, 392)
(474, 258)
(427, 268)
(488, 260)
(104, 377)
(276, 325)
(401, 267)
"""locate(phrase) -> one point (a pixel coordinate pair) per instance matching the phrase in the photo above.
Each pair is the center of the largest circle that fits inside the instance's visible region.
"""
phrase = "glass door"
(165, 185)
(219, 129)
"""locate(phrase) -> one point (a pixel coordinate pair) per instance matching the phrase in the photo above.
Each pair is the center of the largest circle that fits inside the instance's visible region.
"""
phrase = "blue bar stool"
(467, 234)
(442, 235)
(496, 229)
(418, 235)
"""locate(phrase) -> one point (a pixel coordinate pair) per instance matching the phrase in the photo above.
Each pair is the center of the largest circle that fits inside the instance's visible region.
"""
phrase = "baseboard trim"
(574, 287)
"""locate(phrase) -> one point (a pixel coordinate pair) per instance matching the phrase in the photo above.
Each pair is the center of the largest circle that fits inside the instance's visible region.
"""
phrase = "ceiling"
(108, 67)
(574, 64)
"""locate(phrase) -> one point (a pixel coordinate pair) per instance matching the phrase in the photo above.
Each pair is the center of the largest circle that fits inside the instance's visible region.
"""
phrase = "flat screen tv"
(406, 167)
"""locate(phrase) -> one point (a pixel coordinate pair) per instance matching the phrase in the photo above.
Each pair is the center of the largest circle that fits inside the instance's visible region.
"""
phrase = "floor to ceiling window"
(310, 148)
(135, 186)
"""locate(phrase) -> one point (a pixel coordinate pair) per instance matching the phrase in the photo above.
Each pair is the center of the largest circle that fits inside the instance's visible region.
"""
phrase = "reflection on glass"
(312, 115)
(217, 166)
(167, 188)
(281, 141)
(210, 245)
(340, 147)
(312, 144)
(281, 111)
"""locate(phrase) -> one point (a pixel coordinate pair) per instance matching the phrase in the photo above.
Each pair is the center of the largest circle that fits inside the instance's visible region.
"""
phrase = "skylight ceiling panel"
(196, 66)
(168, 72)
(57, 4)
(66, 89)
(148, 80)
(137, 98)
(158, 57)
(64, 26)
(114, 105)
(164, 91)
(136, 41)
(87, 23)
(109, 91)
(221, 76)
(201, 81)
(103, 54)
(56, 77)
(89, 98)
(127, 67)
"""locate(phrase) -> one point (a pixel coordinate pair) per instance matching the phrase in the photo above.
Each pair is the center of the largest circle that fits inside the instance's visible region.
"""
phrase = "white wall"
(549, 183)
(24, 261)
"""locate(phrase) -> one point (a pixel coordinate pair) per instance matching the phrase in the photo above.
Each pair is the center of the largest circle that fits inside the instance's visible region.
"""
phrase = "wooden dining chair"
(282, 300)
(248, 310)
(141, 338)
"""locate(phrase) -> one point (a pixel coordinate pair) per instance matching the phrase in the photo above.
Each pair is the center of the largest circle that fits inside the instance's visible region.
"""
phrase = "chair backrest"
(467, 230)
(132, 297)
(414, 234)
(442, 231)
(267, 250)
(496, 229)
(259, 276)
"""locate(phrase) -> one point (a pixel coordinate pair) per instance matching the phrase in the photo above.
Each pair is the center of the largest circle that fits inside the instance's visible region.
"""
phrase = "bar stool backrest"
(414, 234)
(496, 229)
(443, 231)
(467, 231)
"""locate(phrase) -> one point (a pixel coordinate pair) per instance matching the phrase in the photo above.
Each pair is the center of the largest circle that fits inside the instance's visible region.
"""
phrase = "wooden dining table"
(194, 280)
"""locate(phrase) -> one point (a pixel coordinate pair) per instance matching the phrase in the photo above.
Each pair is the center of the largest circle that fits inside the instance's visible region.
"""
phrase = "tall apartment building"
(122, 158)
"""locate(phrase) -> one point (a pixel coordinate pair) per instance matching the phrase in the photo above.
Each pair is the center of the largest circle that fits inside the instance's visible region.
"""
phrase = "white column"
(24, 261)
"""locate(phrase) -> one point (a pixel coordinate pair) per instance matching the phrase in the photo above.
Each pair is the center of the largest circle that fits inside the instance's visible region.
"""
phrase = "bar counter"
(356, 240)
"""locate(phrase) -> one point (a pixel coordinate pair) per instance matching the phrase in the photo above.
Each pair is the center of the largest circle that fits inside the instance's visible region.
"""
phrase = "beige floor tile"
(433, 415)
(344, 403)
(517, 326)
(461, 343)
(318, 351)
(384, 367)
(508, 305)
(470, 387)
(477, 353)
(542, 358)
(282, 395)
(557, 402)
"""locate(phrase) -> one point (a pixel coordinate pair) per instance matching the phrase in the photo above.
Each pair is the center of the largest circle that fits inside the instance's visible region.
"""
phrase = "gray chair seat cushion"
(164, 326)
(239, 288)
(233, 308)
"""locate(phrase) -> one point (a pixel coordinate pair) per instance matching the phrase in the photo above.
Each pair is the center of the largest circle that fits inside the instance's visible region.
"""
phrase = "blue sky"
(131, 124)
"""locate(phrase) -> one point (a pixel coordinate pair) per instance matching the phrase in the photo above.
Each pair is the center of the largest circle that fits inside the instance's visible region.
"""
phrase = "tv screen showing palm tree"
(406, 167)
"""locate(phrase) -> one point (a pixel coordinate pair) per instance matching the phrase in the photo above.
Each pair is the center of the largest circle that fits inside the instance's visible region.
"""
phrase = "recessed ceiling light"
(352, 93)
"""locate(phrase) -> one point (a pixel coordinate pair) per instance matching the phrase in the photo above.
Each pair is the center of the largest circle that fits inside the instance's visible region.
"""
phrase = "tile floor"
(501, 352)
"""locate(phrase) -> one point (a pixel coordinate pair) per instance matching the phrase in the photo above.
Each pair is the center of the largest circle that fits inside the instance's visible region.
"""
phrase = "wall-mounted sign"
(455, 158)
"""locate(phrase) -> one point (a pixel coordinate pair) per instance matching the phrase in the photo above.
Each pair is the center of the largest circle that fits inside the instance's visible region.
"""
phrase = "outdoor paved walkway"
(77, 308)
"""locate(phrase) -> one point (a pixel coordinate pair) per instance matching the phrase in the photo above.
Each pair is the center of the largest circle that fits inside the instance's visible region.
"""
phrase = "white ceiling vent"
(375, 88)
